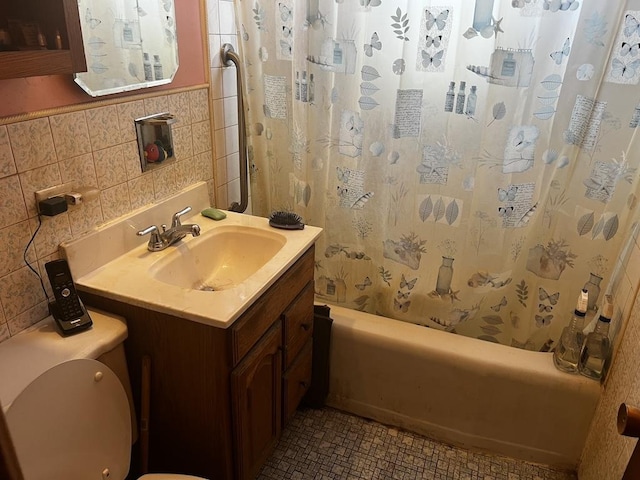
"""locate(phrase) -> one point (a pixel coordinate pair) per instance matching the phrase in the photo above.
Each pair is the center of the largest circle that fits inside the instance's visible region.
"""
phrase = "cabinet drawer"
(296, 381)
(262, 314)
(298, 324)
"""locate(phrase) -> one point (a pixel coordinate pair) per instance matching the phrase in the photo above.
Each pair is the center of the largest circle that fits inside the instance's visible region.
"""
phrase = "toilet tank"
(27, 355)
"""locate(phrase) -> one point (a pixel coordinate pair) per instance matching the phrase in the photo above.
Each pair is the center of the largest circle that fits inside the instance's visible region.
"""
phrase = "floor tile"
(327, 444)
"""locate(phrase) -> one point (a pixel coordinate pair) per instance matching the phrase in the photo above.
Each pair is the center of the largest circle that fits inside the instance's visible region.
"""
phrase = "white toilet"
(68, 414)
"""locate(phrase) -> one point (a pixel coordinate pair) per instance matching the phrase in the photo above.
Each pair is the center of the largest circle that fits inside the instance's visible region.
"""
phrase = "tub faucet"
(159, 240)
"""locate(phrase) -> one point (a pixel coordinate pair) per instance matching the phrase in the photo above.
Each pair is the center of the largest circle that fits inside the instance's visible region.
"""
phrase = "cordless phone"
(67, 309)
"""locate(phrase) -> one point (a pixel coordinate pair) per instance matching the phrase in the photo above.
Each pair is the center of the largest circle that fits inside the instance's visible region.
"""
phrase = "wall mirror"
(129, 44)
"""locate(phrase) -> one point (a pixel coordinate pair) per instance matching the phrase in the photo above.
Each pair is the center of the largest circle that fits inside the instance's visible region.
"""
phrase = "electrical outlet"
(53, 192)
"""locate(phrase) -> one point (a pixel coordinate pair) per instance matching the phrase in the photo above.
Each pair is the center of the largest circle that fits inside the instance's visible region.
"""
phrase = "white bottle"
(148, 68)
(597, 347)
(471, 102)
(157, 67)
(337, 54)
(566, 356)
(450, 97)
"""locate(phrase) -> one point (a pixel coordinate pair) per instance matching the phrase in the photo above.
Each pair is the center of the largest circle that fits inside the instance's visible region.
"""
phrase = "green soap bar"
(214, 213)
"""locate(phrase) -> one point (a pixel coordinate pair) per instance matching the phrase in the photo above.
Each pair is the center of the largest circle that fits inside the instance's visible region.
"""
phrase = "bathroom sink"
(218, 260)
(211, 278)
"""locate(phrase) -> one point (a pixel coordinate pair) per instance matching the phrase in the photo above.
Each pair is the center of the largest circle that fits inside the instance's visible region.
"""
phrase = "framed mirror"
(129, 44)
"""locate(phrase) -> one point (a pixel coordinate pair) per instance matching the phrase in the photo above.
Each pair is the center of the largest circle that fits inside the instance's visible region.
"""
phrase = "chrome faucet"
(159, 240)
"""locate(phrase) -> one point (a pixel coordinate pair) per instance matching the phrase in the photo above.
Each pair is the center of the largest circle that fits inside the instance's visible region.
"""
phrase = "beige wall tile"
(155, 105)
(53, 231)
(84, 217)
(21, 291)
(70, 134)
(165, 181)
(37, 179)
(204, 166)
(182, 142)
(4, 331)
(28, 318)
(115, 202)
(79, 170)
(12, 205)
(131, 156)
(110, 167)
(127, 113)
(72, 145)
(185, 174)
(198, 101)
(14, 239)
(104, 128)
(141, 190)
(212, 193)
(179, 107)
(201, 135)
(7, 164)
(31, 144)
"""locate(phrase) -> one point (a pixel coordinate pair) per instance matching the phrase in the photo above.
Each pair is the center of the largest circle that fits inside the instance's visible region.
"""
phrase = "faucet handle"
(175, 220)
(155, 241)
(152, 229)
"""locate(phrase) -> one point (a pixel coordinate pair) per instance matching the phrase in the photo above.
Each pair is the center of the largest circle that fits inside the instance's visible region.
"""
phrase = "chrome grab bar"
(229, 56)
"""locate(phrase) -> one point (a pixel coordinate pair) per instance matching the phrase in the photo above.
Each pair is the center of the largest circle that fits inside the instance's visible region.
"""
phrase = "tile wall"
(221, 28)
(607, 453)
(94, 147)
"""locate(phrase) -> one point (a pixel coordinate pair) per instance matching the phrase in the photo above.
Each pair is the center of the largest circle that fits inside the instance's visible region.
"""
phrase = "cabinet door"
(297, 324)
(52, 16)
(296, 382)
(256, 397)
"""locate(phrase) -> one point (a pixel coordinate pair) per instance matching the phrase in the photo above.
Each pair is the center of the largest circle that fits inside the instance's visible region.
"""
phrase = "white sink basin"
(221, 259)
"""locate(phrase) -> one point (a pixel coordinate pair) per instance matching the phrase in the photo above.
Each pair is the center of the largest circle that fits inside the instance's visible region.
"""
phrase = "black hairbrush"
(286, 220)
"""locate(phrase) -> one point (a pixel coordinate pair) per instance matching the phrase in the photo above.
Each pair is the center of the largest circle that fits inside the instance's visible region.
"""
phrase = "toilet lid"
(72, 423)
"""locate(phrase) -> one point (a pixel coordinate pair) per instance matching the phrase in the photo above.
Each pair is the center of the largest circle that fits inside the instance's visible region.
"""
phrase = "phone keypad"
(68, 302)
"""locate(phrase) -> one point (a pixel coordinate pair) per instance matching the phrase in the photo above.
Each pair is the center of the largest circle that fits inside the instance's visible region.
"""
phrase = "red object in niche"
(152, 152)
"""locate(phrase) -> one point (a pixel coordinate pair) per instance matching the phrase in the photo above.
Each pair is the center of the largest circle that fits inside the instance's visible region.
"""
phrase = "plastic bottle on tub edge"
(566, 356)
(597, 346)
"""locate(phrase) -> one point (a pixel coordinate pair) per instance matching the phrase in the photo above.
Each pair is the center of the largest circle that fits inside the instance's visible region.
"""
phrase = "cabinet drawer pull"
(305, 326)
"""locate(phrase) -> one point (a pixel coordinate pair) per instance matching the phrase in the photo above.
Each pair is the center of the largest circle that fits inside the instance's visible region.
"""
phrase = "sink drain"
(207, 288)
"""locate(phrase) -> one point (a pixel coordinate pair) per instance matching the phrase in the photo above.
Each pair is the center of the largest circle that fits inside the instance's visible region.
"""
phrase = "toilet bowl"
(71, 421)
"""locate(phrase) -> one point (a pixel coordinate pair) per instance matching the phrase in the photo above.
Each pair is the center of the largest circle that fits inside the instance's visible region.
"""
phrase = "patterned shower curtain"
(473, 164)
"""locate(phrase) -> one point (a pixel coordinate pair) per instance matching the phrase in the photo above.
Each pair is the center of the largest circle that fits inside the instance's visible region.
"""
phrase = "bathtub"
(459, 390)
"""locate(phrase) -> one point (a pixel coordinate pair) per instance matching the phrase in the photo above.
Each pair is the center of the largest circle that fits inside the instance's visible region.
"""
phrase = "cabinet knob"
(303, 384)
(305, 326)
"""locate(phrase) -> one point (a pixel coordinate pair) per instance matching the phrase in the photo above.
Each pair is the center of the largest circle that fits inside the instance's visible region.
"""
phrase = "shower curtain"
(473, 164)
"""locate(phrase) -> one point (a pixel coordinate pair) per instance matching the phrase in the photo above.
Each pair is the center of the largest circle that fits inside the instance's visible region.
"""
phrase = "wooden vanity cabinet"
(51, 16)
(220, 397)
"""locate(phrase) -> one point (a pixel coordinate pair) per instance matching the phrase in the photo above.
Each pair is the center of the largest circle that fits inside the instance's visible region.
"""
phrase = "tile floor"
(329, 444)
